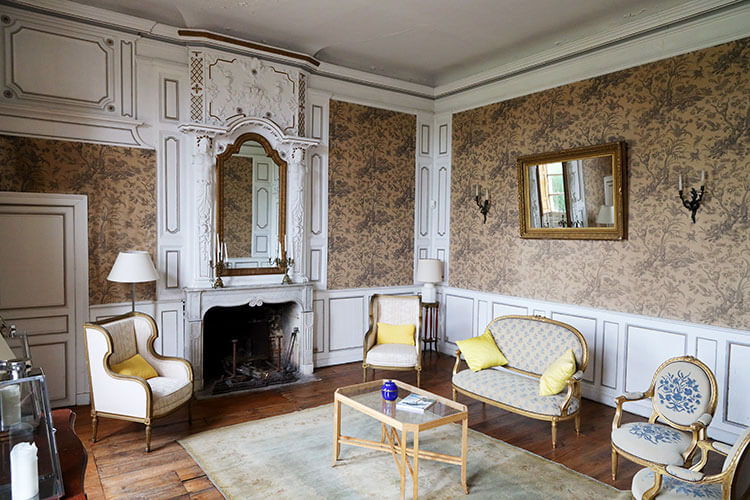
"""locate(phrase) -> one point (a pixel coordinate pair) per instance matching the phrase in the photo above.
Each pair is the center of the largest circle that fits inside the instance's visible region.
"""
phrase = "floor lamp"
(133, 266)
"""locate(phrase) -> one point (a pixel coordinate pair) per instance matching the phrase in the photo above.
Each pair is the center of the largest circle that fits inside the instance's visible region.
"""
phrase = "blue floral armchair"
(677, 483)
(683, 394)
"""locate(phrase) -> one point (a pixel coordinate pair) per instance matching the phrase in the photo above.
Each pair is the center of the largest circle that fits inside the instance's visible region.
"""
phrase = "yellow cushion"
(555, 377)
(136, 366)
(395, 334)
(481, 352)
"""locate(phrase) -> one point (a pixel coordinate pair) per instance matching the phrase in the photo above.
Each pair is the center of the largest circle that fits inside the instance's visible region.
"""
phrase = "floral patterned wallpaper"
(678, 116)
(238, 206)
(370, 197)
(121, 187)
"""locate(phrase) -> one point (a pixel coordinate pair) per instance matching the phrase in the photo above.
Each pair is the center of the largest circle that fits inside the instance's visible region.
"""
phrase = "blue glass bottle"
(389, 390)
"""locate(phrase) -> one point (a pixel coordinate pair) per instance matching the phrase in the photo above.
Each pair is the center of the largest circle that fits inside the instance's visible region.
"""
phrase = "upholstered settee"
(530, 344)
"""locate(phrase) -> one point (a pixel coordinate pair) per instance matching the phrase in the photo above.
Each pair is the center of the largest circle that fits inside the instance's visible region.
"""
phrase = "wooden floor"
(119, 467)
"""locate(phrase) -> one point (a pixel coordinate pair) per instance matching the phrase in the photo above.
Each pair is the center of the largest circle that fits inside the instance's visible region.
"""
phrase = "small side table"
(430, 320)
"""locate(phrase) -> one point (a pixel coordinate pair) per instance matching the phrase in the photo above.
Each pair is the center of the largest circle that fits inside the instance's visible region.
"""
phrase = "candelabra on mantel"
(483, 204)
(695, 197)
(284, 264)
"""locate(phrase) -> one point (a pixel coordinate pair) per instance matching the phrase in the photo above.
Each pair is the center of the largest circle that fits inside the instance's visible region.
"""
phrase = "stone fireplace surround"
(199, 300)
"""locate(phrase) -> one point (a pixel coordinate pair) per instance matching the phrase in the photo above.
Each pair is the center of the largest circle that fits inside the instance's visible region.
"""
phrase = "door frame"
(79, 203)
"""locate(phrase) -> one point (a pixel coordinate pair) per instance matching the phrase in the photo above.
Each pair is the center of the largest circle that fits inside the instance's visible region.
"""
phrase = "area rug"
(289, 457)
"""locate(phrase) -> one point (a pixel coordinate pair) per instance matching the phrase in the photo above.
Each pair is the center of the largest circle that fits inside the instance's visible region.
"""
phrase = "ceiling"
(431, 42)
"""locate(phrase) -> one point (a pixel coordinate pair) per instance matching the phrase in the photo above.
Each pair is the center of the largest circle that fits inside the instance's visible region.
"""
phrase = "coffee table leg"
(336, 430)
(403, 464)
(415, 476)
(464, 438)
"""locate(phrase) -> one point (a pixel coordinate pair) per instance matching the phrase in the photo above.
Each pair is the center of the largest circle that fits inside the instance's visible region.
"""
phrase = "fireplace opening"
(247, 347)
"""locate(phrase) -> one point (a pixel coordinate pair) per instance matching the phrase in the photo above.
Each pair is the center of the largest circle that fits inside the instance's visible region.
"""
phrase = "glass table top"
(368, 395)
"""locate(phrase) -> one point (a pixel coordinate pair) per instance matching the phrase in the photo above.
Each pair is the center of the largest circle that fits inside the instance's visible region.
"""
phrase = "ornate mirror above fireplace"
(574, 194)
(251, 207)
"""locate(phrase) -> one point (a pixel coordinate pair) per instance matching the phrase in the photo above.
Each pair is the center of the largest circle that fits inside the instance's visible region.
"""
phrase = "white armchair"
(393, 310)
(683, 395)
(129, 397)
(677, 483)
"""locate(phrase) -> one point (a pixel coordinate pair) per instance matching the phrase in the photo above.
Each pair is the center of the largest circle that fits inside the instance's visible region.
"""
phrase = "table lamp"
(606, 215)
(429, 272)
(133, 266)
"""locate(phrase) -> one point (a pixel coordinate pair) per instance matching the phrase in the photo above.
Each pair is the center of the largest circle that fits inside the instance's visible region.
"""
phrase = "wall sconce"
(695, 197)
(483, 204)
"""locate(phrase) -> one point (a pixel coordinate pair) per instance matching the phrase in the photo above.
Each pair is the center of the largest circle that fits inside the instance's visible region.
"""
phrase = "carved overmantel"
(199, 300)
(210, 141)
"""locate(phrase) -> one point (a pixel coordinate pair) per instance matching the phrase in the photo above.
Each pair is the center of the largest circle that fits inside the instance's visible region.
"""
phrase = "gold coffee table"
(366, 398)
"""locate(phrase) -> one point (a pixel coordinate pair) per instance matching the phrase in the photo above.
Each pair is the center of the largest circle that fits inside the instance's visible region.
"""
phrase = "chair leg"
(454, 394)
(578, 424)
(364, 373)
(419, 375)
(148, 437)
(190, 412)
(94, 426)
(614, 465)
(554, 434)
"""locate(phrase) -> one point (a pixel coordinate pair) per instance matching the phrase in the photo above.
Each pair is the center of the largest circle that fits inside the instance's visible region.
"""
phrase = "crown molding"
(719, 27)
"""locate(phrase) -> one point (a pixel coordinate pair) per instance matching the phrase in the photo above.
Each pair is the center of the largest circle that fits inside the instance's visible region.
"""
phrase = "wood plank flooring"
(119, 467)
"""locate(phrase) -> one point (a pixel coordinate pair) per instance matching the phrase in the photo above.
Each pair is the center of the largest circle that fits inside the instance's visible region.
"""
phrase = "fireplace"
(243, 309)
(249, 347)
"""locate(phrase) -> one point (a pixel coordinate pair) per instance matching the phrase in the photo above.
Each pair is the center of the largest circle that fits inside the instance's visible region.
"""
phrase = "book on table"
(415, 403)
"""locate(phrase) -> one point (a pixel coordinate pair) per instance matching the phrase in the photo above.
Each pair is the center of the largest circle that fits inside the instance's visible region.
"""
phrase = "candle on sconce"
(679, 183)
(224, 254)
(476, 189)
(486, 194)
(24, 474)
(703, 177)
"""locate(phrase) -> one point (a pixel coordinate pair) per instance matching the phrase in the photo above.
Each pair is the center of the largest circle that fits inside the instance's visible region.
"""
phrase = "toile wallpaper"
(370, 196)
(121, 187)
(237, 224)
(678, 116)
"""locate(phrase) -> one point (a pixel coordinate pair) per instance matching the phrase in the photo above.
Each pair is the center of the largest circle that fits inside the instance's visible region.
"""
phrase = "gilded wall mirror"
(574, 194)
(251, 208)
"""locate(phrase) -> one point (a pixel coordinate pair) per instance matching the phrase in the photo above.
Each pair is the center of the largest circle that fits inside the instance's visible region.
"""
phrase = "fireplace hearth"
(248, 347)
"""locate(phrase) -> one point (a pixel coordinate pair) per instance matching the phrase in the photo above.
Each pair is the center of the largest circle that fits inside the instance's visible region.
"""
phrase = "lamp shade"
(133, 266)
(430, 270)
(606, 215)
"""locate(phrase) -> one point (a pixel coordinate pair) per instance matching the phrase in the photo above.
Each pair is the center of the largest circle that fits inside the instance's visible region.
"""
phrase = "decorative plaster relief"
(240, 87)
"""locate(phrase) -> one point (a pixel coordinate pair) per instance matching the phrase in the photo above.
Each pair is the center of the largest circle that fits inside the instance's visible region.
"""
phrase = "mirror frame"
(220, 159)
(619, 193)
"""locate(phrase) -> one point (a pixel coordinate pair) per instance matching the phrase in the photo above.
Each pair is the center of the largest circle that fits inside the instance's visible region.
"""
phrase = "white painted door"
(44, 282)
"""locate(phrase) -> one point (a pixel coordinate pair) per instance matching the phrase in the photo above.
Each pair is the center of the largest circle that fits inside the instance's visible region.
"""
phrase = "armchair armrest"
(684, 474)
(721, 448)
(458, 361)
(172, 367)
(370, 337)
(577, 375)
(702, 422)
(626, 398)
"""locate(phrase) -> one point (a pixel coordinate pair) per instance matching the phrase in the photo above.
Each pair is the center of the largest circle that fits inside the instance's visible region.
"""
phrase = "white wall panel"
(127, 79)
(646, 350)
(706, 351)
(458, 318)
(424, 140)
(499, 309)
(172, 269)
(171, 170)
(738, 381)
(170, 109)
(169, 332)
(315, 264)
(609, 360)
(347, 326)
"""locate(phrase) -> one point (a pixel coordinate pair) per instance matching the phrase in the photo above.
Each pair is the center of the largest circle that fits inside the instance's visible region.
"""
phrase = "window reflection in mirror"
(575, 193)
(250, 225)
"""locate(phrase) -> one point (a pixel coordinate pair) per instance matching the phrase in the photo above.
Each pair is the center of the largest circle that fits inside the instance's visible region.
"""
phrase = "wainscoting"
(625, 349)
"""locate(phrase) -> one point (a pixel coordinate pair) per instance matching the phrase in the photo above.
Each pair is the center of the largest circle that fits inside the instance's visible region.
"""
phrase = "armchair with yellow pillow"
(129, 380)
(392, 341)
(529, 365)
